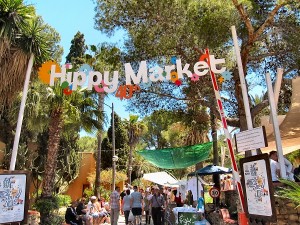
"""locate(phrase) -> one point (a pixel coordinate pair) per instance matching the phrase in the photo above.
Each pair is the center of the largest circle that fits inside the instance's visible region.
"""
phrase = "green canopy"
(177, 158)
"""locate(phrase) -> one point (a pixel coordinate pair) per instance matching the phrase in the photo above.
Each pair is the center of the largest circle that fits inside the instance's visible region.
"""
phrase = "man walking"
(157, 204)
(136, 205)
(115, 206)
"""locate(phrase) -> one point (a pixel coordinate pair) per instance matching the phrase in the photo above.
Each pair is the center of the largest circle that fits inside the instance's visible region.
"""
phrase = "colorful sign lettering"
(108, 82)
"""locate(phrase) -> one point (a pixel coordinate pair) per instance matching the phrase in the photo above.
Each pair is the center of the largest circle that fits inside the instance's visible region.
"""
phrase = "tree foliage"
(121, 144)
(22, 33)
(159, 29)
(77, 50)
(87, 144)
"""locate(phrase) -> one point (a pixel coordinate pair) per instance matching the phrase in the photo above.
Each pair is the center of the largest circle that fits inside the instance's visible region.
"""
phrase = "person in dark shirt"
(123, 193)
(297, 174)
(81, 210)
(71, 216)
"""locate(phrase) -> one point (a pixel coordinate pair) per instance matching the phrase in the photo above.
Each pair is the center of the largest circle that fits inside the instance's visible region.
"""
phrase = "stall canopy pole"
(21, 115)
(275, 126)
(243, 82)
(235, 172)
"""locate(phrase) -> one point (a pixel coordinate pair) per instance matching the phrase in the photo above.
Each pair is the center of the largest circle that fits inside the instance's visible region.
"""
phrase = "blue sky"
(69, 16)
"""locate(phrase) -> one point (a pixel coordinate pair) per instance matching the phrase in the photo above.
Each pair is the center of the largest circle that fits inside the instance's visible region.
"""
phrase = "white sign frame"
(251, 139)
(14, 196)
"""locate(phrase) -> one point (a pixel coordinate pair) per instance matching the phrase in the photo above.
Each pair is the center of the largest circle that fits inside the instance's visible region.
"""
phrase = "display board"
(14, 196)
(188, 218)
(258, 187)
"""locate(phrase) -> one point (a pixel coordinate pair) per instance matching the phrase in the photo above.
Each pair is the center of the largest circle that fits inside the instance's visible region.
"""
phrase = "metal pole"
(21, 115)
(114, 148)
(277, 85)
(275, 126)
(243, 82)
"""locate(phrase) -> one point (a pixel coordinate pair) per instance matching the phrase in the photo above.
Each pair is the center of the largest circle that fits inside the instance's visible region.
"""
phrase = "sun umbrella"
(211, 169)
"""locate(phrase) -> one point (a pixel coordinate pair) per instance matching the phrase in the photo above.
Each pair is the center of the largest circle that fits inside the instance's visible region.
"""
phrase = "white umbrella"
(161, 178)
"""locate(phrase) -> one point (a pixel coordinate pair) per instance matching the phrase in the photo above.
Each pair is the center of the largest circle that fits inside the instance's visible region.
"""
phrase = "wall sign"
(258, 187)
(251, 139)
(14, 196)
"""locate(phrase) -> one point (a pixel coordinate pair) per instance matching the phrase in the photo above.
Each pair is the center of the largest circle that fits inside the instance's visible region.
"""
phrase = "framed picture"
(258, 187)
(14, 196)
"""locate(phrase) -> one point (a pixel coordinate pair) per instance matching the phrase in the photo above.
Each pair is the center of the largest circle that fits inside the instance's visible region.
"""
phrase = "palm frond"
(291, 191)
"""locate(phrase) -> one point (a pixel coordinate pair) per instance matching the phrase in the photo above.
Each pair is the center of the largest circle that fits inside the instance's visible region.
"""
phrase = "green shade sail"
(177, 158)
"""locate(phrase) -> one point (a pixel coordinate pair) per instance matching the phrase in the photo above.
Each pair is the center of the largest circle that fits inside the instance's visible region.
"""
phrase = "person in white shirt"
(289, 169)
(136, 204)
(275, 168)
(126, 206)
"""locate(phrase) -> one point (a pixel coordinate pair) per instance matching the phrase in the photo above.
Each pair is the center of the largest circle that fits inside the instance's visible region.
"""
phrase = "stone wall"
(287, 213)
(230, 199)
(33, 218)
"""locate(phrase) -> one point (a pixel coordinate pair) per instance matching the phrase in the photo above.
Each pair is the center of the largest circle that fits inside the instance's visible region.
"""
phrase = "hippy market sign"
(108, 82)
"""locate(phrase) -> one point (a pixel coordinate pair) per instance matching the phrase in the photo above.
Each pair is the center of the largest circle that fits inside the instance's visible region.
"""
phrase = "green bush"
(54, 220)
(46, 205)
(290, 191)
(88, 192)
(64, 200)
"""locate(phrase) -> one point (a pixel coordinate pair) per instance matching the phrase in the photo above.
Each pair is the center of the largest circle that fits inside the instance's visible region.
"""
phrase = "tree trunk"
(55, 127)
(99, 141)
(130, 164)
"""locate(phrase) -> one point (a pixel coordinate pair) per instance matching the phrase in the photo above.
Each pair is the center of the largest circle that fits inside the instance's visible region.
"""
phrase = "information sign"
(251, 139)
(14, 191)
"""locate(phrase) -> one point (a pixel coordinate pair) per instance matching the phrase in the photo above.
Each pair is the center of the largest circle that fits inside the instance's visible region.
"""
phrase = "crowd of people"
(132, 203)
(151, 202)
(93, 213)
(227, 183)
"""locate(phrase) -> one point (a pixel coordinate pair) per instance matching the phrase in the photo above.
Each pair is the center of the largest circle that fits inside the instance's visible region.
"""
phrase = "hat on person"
(93, 198)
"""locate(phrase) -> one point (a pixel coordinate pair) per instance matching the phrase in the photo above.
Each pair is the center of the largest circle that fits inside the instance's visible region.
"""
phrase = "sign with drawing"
(14, 191)
(258, 187)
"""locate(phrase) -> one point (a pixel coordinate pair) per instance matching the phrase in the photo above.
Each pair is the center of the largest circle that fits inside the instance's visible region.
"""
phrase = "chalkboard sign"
(188, 218)
(14, 193)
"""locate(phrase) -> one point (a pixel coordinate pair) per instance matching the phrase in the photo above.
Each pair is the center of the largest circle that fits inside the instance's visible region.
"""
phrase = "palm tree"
(21, 34)
(103, 57)
(135, 129)
(74, 110)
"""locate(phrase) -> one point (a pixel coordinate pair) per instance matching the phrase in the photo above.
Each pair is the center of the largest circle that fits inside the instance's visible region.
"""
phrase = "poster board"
(258, 187)
(14, 196)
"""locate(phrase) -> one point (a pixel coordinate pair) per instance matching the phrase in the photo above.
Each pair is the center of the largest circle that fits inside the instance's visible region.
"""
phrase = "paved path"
(121, 220)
